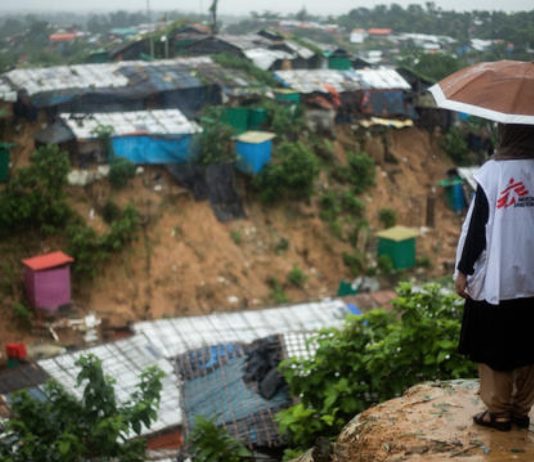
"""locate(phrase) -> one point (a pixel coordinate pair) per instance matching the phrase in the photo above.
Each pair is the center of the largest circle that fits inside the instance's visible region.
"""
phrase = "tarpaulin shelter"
(187, 84)
(142, 137)
(47, 280)
(384, 93)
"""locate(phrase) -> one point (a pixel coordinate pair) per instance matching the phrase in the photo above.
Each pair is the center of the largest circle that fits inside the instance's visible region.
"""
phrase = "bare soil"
(185, 262)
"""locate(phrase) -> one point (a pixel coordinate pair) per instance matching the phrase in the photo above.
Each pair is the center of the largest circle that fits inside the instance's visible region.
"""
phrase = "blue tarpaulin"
(153, 150)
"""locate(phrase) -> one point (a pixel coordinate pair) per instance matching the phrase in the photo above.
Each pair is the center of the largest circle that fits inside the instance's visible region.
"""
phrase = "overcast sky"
(334, 7)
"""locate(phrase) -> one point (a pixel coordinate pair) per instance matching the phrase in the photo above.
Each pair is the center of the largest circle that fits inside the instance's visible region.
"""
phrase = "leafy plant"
(236, 237)
(296, 277)
(121, 171)
(209, 443)
(355, 262)
(234, 62)
(388, 217)
(62, 428)
(278, 294)
(22, 314)
(292, 174)
(352, 204)
(455, 145)
(385, 264)
(90, 249)
(375, 357)
(281, 246)
(34, 198)
(110, 212)
(215, 142)
(362, 171)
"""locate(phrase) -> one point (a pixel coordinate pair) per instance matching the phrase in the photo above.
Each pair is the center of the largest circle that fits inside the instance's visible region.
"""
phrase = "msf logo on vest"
(514, 195)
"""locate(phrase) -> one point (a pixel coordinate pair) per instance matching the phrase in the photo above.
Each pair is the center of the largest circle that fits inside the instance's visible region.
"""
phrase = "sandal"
(521, 421)
(496, 421)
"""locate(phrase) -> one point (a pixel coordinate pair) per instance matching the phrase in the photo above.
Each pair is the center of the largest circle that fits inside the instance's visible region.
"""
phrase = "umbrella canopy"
(502, 91)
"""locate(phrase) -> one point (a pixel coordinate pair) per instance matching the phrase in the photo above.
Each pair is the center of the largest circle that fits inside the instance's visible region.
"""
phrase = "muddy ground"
(186, 262)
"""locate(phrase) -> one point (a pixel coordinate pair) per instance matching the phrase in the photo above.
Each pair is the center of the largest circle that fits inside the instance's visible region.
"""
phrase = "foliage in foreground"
(375, 357)
(60, 428)
(209, 443)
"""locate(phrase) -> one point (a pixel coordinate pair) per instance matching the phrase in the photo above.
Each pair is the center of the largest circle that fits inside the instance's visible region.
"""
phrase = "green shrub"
(455, 145)
(385, 264)
(362, 171)
(375, 357)
(236, 237)
(423, 262)
(121, 171)
(209, 443)
(110, 212)
(34, 198)
(355, 262)
(90, 250)
(281, 246)
(388, 217)
(234, 62)
(359, 172)
(22, 314)
(278, 294)
(351, 204)
(292, 174)
(296, 277)
(330, 206)
(284, 120)
(214, 144)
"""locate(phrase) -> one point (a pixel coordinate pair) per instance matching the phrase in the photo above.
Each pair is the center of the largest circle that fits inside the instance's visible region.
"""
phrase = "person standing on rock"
(495, 275)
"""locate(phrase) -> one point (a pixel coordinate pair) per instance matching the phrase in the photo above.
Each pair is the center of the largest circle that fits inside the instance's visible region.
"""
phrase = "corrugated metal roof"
(124, 360)
(245, 41)
(47, 261)
(156, 122)
(7, 93)
(264, 58)
(176, 336)
(160, 75)
(314, 80)
(67, 77)
(301, 50)
(381, 79)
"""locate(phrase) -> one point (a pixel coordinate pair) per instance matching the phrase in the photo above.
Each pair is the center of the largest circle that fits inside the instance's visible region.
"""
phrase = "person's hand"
(460, 284)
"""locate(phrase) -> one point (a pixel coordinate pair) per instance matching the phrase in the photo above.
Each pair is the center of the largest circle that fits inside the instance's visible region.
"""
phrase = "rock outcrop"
(430, 422)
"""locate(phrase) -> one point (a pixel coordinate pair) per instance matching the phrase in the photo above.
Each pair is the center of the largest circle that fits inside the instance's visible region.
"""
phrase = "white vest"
(505, 270)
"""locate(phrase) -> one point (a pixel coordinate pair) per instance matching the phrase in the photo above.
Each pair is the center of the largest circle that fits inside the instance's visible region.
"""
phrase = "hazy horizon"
(244, 7)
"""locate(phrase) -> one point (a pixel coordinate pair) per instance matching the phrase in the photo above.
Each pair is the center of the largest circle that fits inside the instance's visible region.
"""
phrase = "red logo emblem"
(508, 196)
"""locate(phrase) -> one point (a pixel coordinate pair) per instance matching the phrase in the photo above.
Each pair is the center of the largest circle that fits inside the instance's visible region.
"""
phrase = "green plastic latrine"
(398, 243)
(5, 157)
(257, 118)
(237, 118)
(285, 95)
(340, 64)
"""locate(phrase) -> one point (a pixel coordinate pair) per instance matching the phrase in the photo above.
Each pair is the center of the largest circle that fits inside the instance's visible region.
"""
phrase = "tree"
(61, 428)
(375, 357)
